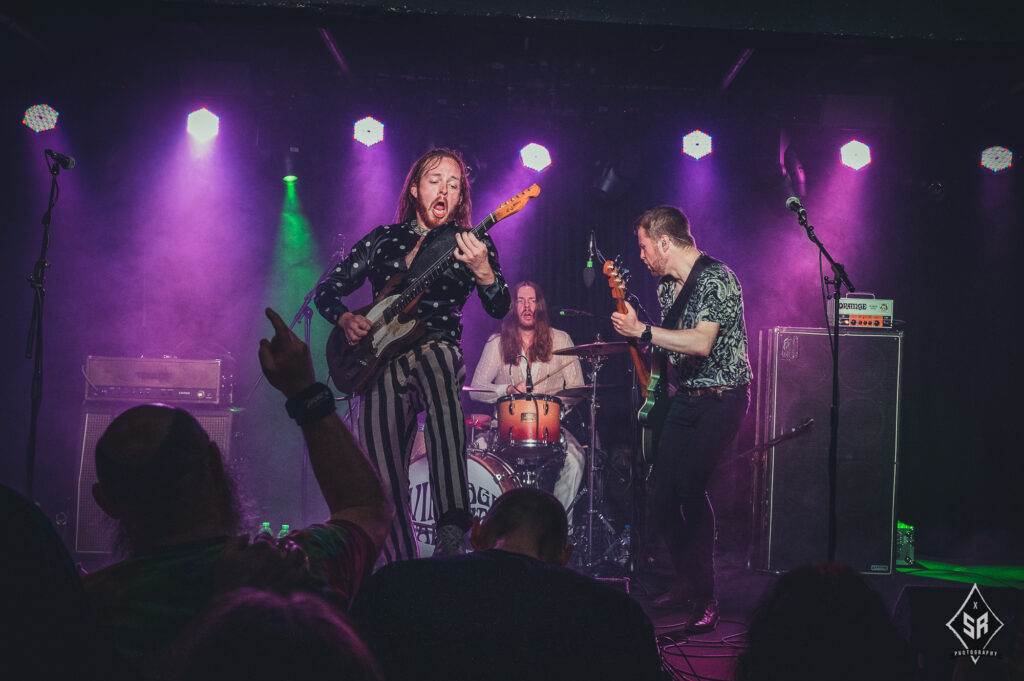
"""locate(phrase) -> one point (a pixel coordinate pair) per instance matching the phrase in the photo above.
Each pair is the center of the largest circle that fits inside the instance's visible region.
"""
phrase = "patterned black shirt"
(718, 298)
(381, 254)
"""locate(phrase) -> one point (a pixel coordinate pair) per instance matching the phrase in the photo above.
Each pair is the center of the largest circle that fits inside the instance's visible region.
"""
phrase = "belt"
(715, 390)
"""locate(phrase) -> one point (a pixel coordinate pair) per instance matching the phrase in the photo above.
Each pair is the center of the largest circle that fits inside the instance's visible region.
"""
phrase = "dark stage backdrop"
(153, 256)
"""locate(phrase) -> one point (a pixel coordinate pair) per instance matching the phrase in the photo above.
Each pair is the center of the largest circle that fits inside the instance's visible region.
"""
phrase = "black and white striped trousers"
(429, 377)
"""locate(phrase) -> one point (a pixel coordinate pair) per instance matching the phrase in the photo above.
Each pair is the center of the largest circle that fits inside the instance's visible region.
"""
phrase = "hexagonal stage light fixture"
(996, 159)
(697, 144)
(368, 131)
(203, 125)
(855, 154)
(535, 156)
(40, 118)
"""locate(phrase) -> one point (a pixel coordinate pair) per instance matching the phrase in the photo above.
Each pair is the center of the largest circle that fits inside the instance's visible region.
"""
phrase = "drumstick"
(557, 371)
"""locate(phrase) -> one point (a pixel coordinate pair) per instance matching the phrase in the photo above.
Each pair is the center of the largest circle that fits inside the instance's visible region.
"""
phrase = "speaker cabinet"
(791, 478)
(93, 527)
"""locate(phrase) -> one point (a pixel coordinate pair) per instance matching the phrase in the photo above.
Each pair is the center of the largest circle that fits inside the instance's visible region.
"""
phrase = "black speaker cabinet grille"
(93, 529)
(791, 485)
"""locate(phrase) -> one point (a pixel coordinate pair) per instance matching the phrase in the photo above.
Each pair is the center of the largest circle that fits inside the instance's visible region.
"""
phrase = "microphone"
(793, 204)
(65, 162)
(588, 271)
(529, 376)
(569, 312)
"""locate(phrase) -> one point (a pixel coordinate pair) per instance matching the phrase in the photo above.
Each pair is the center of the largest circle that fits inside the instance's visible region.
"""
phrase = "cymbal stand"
(594, 513)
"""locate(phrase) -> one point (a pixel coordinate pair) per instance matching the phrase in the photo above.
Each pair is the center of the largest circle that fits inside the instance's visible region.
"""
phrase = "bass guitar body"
(654, 410)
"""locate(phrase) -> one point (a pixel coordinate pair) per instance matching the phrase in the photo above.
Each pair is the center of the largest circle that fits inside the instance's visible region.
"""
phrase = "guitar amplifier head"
(141, 379)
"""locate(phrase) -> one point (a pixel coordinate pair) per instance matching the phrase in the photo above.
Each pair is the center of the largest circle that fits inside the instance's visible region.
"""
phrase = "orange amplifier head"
(865, 313)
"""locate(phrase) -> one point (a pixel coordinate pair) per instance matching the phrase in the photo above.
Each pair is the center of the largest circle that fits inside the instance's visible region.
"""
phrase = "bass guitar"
(653, 381)
(394, 325)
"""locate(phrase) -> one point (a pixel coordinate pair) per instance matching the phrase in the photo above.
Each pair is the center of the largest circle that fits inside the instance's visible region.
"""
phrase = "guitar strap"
(443, 241)
(676, 311)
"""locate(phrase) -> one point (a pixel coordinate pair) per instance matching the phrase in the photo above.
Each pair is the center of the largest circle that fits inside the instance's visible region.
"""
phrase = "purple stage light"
(855, 154)
(535, 156)
(203, 125)
(368, 131)
(996, 159)
(40, 118)
(697, 144)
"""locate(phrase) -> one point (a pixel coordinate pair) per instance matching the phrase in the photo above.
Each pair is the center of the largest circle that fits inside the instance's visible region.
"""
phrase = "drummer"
(526, 333)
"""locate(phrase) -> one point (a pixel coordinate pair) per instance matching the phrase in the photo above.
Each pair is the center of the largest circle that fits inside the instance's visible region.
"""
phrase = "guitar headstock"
(516, 203)
(617, 278)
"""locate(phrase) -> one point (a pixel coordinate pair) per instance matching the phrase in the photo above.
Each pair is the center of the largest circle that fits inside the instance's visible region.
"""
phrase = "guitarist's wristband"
(645, 337)
(312, 404)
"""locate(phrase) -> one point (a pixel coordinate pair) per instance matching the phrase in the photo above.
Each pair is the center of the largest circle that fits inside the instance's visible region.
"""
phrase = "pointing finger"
(276, 321)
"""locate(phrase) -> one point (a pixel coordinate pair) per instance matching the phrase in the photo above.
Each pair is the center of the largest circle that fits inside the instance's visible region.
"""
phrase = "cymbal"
(579, 392)
(598, 349)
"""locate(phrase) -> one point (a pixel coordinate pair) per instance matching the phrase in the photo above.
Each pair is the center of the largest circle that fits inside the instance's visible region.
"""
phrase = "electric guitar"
(395, 326)
(653, 382)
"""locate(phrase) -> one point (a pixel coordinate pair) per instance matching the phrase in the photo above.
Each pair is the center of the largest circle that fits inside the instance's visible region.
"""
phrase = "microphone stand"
(839, 280)
(34, 344)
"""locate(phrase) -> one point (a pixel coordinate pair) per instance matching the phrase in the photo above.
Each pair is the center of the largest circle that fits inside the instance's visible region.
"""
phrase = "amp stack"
(112, 385)
(791, 477)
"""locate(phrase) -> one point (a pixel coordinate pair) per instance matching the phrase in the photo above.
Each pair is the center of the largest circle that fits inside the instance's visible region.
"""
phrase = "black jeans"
(696, 432)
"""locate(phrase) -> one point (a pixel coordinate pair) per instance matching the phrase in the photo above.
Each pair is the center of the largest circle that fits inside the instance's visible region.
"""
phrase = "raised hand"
(285, 359)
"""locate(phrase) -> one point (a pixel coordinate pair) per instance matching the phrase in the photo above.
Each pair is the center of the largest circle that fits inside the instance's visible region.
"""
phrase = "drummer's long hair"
(540, 351)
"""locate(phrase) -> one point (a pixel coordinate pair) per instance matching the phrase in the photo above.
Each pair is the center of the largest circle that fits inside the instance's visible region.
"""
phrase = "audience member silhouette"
(823, 622)
(510, 610)
(164, 481)
(47, 630)
(265, 636)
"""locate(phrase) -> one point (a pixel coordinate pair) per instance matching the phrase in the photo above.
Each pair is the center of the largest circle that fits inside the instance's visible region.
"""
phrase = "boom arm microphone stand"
(839, 280)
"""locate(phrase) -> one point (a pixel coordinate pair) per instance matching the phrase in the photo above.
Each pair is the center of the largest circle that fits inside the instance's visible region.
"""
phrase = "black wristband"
(645, 337)
(312, 404)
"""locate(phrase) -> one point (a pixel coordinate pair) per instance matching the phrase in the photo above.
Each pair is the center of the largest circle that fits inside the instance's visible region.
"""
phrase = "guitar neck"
(423, 281)
(643, 373)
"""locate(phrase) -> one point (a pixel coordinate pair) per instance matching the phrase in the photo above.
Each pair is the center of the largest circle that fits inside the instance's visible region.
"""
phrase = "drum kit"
(520, 441)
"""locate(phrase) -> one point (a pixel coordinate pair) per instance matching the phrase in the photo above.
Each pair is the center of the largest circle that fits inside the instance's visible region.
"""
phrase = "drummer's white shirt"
(496, 376)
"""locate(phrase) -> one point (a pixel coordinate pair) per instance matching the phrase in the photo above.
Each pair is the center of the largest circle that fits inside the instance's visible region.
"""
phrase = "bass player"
(705, 338)
(434, 205)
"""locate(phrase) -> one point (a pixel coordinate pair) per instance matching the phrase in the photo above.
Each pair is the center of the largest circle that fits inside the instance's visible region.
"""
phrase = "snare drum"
(529, 426)
(488, 476)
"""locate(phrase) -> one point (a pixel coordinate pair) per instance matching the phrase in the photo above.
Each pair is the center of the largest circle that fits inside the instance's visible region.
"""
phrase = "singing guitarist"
(705, 339)
(434, 206)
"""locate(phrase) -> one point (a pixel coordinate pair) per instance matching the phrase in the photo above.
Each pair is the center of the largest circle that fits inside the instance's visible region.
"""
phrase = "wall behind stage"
(156, 252)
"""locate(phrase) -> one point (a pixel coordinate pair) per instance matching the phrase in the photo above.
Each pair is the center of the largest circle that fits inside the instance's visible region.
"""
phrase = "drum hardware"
(599, 349)
(587, 559)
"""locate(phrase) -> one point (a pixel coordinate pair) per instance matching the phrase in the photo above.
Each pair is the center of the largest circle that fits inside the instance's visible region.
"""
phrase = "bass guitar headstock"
(618, 276)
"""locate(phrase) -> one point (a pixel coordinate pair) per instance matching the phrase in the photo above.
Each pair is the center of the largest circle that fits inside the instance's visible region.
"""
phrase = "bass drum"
(489, 478)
